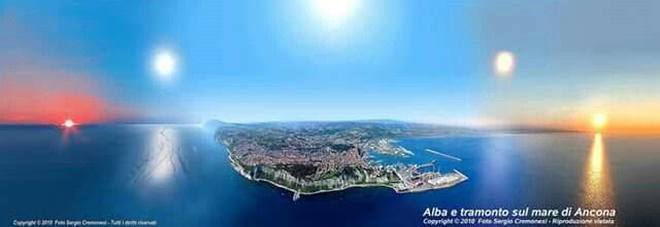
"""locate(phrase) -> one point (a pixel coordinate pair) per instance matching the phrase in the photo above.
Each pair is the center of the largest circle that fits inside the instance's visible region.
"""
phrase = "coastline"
(297, 193)
(242, 172)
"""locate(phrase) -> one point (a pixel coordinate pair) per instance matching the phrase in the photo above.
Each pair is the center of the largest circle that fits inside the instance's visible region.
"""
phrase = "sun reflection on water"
(597, 186)
(161, 162)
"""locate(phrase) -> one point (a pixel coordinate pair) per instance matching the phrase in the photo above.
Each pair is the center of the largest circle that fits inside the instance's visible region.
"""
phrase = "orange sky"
(51, 98)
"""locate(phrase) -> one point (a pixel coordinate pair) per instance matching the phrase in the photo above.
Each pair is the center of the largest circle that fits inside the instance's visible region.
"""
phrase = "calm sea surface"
(179, 176)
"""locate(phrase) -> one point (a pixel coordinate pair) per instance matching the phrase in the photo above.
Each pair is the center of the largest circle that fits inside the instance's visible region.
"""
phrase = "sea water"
(180, 176)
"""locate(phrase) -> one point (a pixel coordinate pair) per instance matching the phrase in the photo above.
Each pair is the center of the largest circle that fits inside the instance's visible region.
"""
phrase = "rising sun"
(68, 123)
(599, 121)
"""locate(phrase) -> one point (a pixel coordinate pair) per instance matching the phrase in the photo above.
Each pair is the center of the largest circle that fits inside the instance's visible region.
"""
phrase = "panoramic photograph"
(329, 113)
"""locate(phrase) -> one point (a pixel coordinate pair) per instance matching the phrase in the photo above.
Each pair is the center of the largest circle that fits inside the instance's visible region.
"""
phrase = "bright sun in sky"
(505, 63)
(599, 121)
(164, 64)
(335, 12)
(68, 123)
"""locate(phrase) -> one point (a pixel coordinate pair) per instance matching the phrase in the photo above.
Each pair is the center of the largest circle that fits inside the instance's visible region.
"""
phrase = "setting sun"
(599, 121)
(68, 123)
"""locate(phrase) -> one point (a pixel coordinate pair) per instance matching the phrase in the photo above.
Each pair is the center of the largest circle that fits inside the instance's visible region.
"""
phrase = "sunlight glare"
(504, 63)
(599, 121)
(335, 12)
(164, 65)
(68, 123)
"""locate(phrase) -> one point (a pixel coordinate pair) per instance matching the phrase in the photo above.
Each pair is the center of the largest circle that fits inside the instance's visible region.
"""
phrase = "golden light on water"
(596, 158)
(504, 63)
(597, 190)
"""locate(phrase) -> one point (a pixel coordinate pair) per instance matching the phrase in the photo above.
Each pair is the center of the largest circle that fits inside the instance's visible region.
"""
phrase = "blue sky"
(426, 61)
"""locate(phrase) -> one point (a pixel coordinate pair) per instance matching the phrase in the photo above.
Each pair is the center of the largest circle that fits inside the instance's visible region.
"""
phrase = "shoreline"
(297, 193)
(242, 172)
